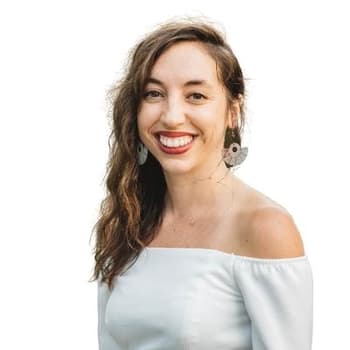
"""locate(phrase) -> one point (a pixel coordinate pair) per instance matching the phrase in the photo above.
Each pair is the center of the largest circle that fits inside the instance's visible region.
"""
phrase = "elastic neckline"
(220, 252)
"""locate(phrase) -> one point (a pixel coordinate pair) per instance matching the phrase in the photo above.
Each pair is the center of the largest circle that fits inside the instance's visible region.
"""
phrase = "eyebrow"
(188, 83)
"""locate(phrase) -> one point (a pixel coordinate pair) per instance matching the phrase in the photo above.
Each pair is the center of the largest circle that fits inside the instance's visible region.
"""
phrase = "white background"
(58, 58)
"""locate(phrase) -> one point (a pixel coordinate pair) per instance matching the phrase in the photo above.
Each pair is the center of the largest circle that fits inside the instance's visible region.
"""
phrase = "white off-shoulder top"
(206, 299)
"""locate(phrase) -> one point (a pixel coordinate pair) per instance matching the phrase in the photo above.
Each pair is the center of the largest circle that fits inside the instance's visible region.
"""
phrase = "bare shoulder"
(272, 233)
(268, 229)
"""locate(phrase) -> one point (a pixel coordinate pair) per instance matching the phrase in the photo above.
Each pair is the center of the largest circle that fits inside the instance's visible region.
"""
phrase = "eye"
(197, 96)
(154, 94)
(151, 93)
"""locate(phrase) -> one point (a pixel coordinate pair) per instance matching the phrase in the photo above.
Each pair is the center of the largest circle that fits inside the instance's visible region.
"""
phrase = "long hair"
(132, 211)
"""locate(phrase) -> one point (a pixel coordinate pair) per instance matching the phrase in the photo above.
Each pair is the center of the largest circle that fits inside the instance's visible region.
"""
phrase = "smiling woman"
(187, 97)
(188, 256)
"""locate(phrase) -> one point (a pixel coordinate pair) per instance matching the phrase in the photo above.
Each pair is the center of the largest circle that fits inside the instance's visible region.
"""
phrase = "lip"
(175, 150)
(174, 133)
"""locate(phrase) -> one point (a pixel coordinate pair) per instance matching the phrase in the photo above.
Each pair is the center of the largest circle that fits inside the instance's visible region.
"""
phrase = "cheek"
(211, 118)
(141, 127)
(209, 137)
(212, 123)
(147, 115)
(143, 119)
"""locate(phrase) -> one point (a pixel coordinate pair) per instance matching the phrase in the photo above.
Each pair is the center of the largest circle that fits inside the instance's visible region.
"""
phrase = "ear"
(233, 114)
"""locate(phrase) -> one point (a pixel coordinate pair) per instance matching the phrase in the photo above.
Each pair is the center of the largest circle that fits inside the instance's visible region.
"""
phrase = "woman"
(188, 256)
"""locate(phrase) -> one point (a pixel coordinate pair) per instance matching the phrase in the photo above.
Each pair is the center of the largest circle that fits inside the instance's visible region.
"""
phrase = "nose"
(173, 114)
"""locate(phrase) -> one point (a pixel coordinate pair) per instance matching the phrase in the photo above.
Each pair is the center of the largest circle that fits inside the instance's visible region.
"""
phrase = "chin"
(177, 167)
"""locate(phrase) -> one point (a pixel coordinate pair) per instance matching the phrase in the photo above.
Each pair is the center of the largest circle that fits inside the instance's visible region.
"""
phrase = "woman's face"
(183, 94)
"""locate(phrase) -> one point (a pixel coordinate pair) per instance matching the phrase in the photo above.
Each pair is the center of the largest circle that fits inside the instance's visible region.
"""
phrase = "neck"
(194, 195)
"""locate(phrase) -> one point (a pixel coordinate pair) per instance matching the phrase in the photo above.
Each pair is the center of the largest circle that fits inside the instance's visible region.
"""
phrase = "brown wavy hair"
(132, 211)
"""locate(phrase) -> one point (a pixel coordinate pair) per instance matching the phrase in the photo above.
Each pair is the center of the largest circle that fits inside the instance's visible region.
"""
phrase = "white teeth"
(175, 141)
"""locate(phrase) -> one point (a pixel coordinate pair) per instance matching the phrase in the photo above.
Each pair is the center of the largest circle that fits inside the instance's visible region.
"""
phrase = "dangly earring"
(234, 155)
(142, 153)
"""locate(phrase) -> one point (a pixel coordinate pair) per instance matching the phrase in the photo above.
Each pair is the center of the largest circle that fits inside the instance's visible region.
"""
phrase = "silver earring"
(234, 155)
(142, 153)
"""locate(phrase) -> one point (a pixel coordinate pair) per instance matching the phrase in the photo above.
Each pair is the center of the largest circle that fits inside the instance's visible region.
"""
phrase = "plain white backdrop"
(58, 59)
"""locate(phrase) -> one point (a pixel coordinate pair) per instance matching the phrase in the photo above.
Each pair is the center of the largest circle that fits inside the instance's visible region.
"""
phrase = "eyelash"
(145, 95)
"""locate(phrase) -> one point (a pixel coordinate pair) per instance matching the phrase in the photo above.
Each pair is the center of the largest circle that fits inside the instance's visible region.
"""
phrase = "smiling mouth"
(175, 142)
(175, 145)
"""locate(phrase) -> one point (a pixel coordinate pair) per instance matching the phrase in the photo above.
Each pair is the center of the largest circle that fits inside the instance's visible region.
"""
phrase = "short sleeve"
(278, 296)
(105, 340)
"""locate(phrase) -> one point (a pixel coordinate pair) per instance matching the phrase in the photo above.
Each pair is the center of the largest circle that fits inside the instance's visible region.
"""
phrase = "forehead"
(183, 62)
